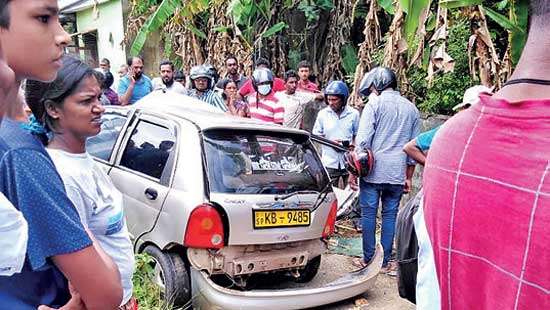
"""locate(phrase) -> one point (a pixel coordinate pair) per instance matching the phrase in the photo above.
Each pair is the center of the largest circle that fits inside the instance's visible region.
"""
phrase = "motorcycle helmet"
(379, 77)
(337, 88)
(359, 164)
(261, 75)
(200, 71)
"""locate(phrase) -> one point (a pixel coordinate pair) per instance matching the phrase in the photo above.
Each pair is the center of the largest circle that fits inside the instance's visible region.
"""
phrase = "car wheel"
(309, 272)
(171, 275)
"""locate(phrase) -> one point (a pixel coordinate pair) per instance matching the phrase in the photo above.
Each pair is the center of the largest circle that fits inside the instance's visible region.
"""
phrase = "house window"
(84, 45)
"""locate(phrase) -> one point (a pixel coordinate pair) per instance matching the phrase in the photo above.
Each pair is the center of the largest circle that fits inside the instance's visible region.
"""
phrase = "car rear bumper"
(208, 295)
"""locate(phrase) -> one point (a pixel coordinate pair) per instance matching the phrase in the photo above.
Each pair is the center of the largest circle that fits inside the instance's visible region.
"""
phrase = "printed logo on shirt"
(115, 224)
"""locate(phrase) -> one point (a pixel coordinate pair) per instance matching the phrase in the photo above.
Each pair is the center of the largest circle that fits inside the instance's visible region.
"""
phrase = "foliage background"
(343, 39)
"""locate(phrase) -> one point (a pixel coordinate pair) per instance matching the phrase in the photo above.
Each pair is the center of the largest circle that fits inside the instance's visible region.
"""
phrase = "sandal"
(360, 262)
(390, 269)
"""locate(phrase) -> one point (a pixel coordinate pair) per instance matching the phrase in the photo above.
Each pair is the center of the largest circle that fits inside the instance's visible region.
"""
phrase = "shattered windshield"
(252, 162)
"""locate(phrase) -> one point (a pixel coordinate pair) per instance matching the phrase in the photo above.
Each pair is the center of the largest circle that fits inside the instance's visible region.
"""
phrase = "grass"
(148, 294)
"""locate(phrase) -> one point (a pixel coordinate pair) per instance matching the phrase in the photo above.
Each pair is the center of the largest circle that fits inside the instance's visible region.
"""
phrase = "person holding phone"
(135, 85)
(337, 122)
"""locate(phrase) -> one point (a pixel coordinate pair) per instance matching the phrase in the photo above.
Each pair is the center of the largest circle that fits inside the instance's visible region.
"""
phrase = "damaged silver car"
(218, 201)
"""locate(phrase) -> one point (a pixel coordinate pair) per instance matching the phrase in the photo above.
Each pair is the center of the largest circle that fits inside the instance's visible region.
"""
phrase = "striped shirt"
(267, 109)
(388, 122)
(211, 98)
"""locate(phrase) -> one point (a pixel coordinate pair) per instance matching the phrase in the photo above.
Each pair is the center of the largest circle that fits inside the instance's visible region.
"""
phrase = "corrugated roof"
(72, 6)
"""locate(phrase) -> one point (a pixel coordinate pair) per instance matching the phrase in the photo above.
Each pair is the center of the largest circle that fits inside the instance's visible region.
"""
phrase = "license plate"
(281, 218)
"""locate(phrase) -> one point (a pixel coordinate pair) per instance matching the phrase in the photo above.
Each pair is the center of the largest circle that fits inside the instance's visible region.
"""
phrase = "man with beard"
(232, 68)
(166, 80)
(135, 85)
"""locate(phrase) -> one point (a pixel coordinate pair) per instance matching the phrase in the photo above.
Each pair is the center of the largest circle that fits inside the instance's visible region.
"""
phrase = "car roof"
(200, 113)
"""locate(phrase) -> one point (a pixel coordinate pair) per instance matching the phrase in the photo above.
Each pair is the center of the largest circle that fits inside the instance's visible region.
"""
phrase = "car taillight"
(204, 228)
(331, 220)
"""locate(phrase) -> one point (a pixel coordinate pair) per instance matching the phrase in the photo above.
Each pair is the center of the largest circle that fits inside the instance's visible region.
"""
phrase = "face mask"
(264, 90)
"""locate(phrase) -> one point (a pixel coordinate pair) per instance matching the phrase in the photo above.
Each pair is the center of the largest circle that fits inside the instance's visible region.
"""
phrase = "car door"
(143, 170)
(102, 146)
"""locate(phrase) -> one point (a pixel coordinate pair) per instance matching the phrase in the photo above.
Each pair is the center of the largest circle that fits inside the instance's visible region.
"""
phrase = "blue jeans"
(370, 195)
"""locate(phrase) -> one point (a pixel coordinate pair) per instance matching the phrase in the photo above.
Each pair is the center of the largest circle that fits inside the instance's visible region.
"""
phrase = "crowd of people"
(261, 96)
(482, 229)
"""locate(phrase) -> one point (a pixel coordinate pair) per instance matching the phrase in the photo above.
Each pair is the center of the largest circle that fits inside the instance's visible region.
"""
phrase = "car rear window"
(254, 162)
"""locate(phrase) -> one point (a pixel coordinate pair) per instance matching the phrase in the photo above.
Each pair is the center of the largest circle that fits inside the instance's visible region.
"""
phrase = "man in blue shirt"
(337, 122)
(388, 122)
(135, 85)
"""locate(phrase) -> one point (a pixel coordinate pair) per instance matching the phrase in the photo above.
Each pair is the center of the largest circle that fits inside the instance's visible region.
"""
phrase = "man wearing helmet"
(388, 122)
(263, 104)
(337, 122)
(248, 87)
(201, 87)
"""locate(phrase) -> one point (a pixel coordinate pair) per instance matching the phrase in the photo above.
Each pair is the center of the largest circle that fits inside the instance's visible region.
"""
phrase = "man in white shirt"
(166, 80)
(294, 101)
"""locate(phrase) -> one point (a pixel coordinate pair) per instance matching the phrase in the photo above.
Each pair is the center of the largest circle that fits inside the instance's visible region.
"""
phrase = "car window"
(101, 146)
(252, 162)
(148, 149)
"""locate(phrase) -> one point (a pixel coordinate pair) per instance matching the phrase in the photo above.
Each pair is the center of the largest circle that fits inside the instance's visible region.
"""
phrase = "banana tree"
(515, 23)
(166, 10)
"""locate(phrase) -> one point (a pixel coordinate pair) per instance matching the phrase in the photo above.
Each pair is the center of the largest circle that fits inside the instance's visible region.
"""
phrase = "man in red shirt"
(304, 71)
(487, 190)
(248, 88)
(263, 104)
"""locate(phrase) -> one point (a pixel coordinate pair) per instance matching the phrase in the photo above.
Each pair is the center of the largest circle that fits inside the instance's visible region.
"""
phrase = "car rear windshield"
(254, 162)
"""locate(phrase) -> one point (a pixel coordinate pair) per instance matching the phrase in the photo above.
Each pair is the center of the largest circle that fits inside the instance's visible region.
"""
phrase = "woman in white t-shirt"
(70, 111)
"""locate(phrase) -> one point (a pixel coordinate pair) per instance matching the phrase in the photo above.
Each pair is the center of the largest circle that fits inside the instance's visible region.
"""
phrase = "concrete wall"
(110, 30)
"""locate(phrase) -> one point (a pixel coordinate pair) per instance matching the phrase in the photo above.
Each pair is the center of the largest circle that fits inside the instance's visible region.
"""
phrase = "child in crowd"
(59, 248)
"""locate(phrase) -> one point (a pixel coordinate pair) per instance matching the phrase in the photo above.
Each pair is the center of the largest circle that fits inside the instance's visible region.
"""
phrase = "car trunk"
(271, 185)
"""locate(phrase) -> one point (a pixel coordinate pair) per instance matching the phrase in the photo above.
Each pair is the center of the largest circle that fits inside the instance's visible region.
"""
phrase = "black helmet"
(359, 164)
(379, 77)
(337, 88)
(261, 75)
(200, 71)
(213, 73)
(179, 76)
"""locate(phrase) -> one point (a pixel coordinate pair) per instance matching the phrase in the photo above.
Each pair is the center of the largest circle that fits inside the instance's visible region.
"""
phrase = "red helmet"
(359, 164)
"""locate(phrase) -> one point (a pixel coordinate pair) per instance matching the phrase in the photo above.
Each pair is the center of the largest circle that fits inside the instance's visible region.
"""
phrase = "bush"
(447, 89)
(146, 292)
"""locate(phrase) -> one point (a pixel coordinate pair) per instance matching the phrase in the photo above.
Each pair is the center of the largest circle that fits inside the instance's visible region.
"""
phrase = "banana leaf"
(387, 5)
(453, 4)
(274, 29)
(153, 23)
(502, 20)
(414, 10)
(519, 14)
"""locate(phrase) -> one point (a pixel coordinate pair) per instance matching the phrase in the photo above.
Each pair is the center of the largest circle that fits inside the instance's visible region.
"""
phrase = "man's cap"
(471, 96)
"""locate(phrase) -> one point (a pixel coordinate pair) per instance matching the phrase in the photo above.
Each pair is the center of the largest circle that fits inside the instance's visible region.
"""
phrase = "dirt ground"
(383, 296)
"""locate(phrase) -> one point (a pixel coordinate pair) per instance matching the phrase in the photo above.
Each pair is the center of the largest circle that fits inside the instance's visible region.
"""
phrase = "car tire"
(309, 272)
(177, 285)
